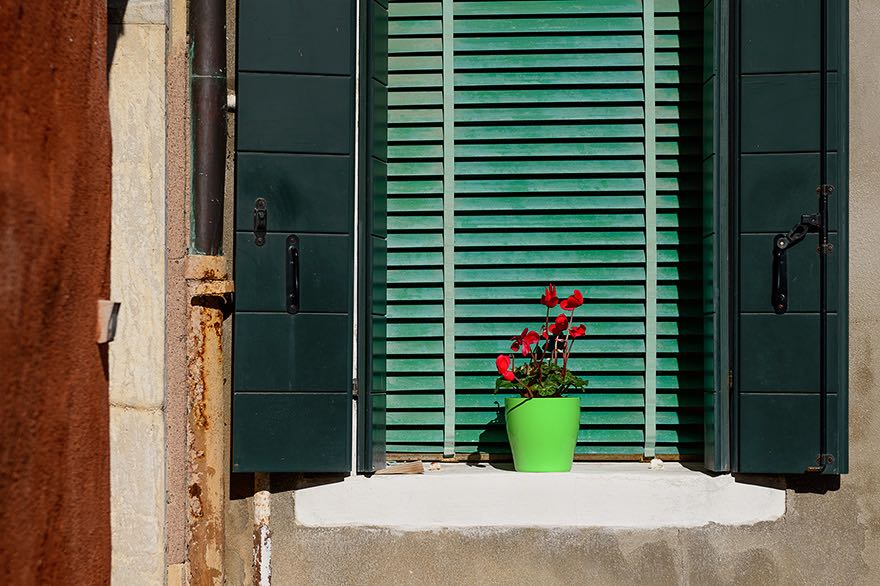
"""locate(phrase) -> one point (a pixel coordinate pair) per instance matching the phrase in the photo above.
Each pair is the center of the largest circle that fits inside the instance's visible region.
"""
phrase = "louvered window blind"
(539, 141)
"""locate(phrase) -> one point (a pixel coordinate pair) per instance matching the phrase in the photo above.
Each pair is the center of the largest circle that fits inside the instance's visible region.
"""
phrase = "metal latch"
(292, 274)
(260, 213)
(810, 224)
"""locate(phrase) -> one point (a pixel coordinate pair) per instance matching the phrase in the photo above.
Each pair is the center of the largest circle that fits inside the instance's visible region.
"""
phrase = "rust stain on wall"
(54, 258)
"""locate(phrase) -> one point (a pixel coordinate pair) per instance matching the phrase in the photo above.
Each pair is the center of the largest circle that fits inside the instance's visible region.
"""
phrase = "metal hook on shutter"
(260, 219)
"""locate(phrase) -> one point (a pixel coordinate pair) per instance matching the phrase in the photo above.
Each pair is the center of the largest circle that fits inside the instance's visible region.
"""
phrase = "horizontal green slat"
(590, 400)
(547, 25)
(529, 61)
(469, 435)
(544, 43)
(583, 346)
(525, 8)
(588, 418)
(599, 294)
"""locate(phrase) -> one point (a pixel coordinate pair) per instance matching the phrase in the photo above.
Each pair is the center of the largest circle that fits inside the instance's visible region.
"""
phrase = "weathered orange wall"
(54, 265)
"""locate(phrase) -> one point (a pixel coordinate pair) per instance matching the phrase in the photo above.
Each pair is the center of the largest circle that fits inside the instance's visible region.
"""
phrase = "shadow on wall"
(115, 19)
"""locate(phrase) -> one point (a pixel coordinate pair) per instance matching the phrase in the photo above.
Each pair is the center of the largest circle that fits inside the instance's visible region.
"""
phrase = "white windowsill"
(613, 495)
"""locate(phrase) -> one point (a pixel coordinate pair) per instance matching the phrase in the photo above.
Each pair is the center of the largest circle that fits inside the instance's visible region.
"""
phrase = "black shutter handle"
(809, 224)
(261, 213)
(292, 274)
(779, 295)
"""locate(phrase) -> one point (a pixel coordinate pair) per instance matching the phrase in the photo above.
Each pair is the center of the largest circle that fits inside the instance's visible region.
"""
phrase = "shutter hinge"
(730, 379)
(355, 391)
(822, 462)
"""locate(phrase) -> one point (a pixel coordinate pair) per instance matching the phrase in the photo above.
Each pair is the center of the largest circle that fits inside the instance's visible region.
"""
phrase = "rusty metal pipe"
(207, 21)
(209, 288)
(262, 564)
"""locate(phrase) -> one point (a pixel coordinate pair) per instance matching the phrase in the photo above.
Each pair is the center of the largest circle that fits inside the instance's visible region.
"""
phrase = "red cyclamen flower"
(578, 331)
(524, 341)
(549, 297)
(559, 325)
(502, 363)
(574, 301)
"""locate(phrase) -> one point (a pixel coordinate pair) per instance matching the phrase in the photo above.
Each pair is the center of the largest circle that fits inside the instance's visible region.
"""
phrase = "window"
(577, 160)
(650, 149)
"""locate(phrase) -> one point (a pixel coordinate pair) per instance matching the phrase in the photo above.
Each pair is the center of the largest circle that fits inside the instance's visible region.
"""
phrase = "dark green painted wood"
(783, 113)
(294, 353)
(783, 354)
(294, 135)
(378, 261)
(295, 36)
(766, 24)
(295, 113)
(324, 273)
(784, 432)
(715, 230)
(789, 180)
(303, 193)
(378, 198)
(803, 268)
(776, 392)
(281, 432)
(373, 246)
(377, 42)
(378, 129)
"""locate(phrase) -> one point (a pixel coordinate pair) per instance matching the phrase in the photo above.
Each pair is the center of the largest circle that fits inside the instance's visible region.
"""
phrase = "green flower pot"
(542, 432)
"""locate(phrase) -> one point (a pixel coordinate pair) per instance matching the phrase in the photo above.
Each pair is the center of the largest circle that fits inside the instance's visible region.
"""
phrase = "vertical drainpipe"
(208, 287)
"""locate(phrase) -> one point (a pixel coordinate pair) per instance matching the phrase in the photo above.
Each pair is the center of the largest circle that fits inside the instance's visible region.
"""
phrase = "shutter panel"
(294, 137)
(716, 235)
(550, 172)
(372, 222)
(779, 64)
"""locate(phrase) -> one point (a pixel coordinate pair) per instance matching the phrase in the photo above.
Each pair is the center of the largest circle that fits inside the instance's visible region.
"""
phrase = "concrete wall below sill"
(614, 495)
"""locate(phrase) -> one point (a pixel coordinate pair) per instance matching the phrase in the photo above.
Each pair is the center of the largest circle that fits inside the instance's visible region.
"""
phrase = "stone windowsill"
(612, 495)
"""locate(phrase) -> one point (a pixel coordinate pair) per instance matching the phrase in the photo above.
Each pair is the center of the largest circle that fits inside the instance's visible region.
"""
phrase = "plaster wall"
(137, 40)
(177, 196)
(828, 535)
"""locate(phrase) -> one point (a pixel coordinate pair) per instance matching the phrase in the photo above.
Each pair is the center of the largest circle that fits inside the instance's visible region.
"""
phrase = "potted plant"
(542, 424)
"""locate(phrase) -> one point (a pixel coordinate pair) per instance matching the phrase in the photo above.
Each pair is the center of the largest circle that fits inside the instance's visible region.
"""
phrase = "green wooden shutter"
(777, 418)
(716, 235)
(372, 222)
(294, 142)
(576, 159)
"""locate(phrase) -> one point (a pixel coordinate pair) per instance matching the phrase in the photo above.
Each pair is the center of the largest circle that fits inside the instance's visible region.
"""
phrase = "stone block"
(136, 11)
(137, 115)
(137, 489)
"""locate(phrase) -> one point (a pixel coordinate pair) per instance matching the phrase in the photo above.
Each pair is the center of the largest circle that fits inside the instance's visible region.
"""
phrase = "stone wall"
(137, 34)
